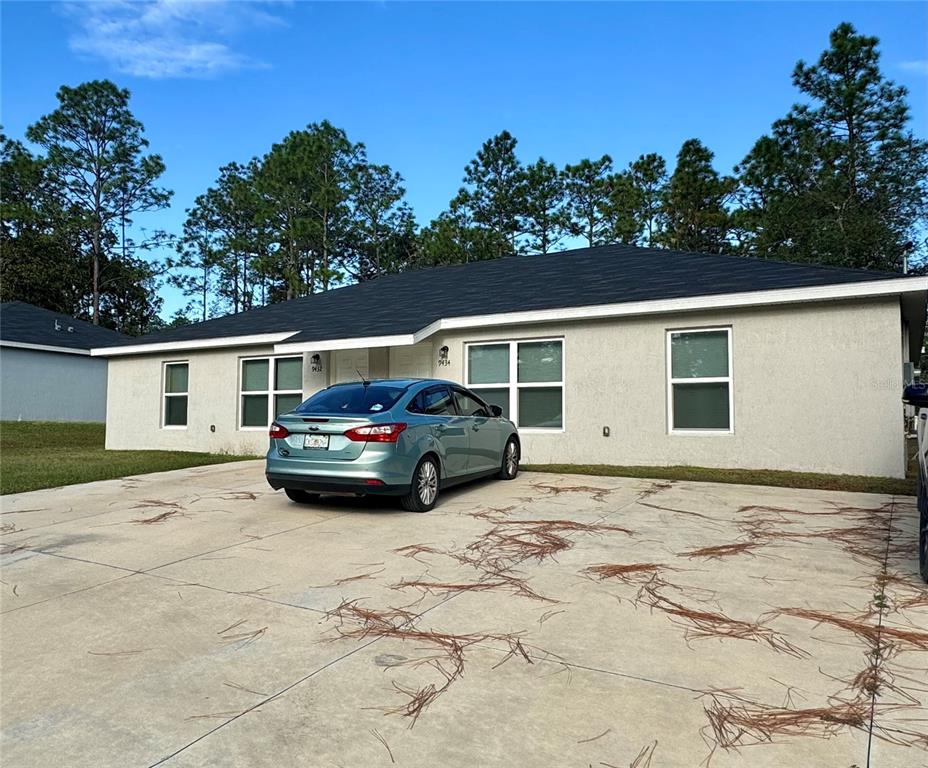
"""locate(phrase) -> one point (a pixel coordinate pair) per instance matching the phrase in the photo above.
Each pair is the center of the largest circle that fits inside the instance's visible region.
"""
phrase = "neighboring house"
(46, 371)
(611, 355)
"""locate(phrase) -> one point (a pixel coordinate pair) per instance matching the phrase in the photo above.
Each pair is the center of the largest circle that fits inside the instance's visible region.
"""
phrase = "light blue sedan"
(403, 437)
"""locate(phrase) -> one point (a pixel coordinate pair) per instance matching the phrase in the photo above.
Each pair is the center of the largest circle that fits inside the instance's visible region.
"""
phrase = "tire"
(923, 529)
(423, 490)
(301, 497)
(510, 463)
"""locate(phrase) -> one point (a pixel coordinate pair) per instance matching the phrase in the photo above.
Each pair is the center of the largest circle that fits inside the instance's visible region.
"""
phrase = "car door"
(485, 451)
(448, 427)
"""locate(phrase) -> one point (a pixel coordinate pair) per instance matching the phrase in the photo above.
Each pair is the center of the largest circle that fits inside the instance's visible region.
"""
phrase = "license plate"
(320, 442)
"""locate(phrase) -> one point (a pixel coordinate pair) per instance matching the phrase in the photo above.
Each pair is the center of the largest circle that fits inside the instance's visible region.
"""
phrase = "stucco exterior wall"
(51, 386)
(816, 387)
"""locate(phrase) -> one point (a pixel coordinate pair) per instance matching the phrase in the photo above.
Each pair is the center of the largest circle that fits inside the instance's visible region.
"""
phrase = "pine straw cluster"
(357, 622)
(699, 623)
(735, 721)
(874, 635)
(596, 494)
(510, 542)
(870, 539)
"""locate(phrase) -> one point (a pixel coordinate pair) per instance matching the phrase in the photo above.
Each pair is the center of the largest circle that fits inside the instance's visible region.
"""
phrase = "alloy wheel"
(428, 483)
(512, 458)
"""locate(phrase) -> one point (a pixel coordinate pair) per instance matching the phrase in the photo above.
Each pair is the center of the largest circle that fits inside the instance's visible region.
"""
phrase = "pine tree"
(841, 179)
(694, 215)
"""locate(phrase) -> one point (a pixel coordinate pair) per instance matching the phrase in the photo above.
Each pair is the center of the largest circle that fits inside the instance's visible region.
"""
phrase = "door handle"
(441, 427)
(475, 428)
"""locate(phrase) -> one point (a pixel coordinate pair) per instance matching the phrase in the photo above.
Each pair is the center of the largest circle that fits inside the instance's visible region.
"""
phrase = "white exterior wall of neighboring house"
(815, 387)
(41, 385)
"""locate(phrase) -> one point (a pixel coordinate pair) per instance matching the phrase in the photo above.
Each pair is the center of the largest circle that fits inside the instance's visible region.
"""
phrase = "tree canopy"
(841, 179)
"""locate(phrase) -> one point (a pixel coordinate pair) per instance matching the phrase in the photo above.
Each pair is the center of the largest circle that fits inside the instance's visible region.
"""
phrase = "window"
(175, 396)
(354, 399)
(269, 386)
(468, 406)
(699, 370)
(524, 378)
(434, 402)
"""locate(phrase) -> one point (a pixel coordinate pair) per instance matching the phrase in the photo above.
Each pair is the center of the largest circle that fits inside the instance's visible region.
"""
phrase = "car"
(916, 395)
(409, 438)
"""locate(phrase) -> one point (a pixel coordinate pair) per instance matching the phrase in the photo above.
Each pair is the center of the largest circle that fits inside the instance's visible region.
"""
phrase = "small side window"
(469, 406)
(437, 402)
(415, 405)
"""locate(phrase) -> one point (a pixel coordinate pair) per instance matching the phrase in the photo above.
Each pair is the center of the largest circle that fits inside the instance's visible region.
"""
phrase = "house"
(610, 355)
(46, 370)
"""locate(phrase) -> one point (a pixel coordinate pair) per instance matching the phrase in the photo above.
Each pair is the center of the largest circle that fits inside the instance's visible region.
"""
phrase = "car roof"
(405, 383)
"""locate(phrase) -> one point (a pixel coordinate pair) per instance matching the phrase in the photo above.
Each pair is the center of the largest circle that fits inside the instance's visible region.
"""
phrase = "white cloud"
(166, 38)
(919, 66)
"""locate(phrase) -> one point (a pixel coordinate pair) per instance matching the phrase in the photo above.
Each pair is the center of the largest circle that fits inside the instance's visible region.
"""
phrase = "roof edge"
(191, 344)
(44, 347)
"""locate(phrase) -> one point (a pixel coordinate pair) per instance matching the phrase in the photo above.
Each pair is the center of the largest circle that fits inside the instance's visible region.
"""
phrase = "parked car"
(916, 395)
(409, 438)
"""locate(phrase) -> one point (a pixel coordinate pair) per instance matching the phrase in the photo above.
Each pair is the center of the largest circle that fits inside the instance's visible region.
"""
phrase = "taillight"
(376, 433)
(278, 431)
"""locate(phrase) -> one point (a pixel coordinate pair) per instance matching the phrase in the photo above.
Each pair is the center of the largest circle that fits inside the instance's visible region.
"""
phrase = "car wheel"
(301, 497)
(423, 491)
(510, 465)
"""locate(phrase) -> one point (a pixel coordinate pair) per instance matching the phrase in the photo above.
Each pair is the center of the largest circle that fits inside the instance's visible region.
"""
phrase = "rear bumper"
(278, 480)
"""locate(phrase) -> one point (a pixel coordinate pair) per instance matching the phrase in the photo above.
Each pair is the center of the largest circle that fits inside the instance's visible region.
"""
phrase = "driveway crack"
(876, 654)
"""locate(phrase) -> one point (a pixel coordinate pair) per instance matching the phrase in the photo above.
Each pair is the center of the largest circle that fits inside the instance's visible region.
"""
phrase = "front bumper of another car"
(380, 469)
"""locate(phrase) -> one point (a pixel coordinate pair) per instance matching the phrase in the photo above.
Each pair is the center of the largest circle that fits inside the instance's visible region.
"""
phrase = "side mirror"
(496, 411)
(916, 394)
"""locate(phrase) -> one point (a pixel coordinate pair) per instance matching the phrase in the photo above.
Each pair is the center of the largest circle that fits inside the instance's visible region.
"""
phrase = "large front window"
(524, 378)
(269, 386)
(699, 368)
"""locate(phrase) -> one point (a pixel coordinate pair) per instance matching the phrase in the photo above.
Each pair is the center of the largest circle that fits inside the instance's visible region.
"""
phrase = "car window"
(434, 402)
(469, 406)
(353, 398)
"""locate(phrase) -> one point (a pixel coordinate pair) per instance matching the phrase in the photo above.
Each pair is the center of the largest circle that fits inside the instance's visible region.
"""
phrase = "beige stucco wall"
(816, 387)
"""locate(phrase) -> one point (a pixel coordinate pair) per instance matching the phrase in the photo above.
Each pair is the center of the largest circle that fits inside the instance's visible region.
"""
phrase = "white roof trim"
(43, 347)
(361, 342)
(175, 346)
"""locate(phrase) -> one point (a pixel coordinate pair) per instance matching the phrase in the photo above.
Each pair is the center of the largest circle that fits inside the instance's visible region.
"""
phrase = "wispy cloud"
(919, 66)
(167, 38)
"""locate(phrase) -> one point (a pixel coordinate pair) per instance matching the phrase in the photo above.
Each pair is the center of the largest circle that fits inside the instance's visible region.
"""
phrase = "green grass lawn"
(855, 483)
(36, 454)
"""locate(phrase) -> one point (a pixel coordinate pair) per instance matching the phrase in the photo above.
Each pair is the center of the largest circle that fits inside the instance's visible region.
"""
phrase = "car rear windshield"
(353, 399)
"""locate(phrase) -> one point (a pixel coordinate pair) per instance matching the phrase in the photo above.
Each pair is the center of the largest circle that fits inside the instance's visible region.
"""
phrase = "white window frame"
(514, 385)
(165, 394)
(729, 379)
(271, 392)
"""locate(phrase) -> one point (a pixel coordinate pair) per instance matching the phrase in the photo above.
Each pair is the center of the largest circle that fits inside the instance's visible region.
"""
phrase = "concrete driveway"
(196, 618)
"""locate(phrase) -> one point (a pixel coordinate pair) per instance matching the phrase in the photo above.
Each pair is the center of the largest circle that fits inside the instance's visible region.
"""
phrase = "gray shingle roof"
(405, 303)
(28, 324)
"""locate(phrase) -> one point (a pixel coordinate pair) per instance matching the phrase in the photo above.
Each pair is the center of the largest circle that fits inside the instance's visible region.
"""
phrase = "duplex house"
(46, 371)
(609, 355)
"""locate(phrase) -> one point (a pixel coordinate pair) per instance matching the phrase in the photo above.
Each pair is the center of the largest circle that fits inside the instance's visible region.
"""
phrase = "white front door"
(348, 362)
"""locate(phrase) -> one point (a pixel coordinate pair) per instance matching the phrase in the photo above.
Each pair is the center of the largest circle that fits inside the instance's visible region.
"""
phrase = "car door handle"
(475, 428)
(441, 427)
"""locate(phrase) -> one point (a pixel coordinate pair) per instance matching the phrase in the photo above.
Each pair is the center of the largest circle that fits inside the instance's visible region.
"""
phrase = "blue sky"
(423, 85)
